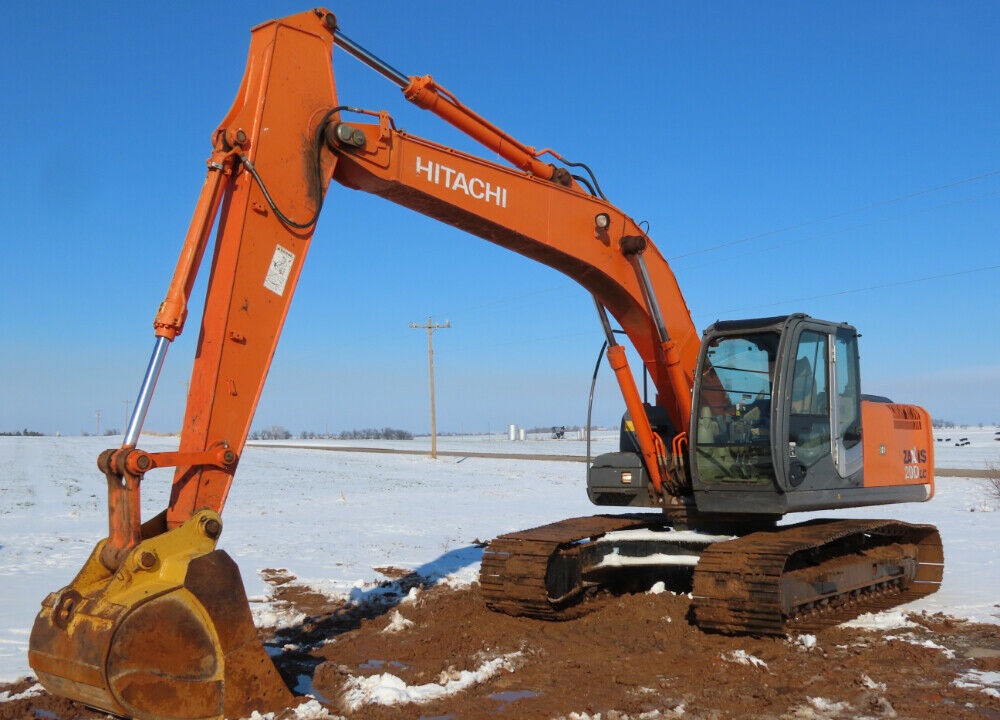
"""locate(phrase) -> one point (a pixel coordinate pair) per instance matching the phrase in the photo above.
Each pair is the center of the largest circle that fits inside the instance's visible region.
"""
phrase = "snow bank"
(987, 682)
(397, 623)
(388, 689)
(742, 657)
(310, 710)
(35, 689)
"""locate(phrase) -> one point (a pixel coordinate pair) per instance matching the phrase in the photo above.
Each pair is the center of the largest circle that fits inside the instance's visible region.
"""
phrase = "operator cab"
(776, 427)
(776, 419)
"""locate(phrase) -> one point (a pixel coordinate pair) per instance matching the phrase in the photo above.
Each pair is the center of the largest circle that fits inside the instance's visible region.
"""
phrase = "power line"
(819, 234)
(511, 299)
(868, 288)
(834, 216)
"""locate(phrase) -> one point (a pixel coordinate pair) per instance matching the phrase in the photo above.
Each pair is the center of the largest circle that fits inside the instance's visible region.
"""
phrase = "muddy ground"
(632, 657)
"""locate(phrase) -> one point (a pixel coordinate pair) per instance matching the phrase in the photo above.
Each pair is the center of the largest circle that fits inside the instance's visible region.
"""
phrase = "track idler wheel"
(169, 635)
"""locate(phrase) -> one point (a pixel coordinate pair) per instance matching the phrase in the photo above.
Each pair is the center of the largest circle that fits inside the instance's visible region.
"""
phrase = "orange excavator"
(752, 420)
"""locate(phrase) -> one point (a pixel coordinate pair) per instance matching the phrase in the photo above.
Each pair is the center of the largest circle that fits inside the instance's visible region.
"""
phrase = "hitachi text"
(452, 179)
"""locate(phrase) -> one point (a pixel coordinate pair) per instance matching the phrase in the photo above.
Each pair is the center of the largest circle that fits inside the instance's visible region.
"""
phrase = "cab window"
(848, 390)
(809, 413)
(733, 425)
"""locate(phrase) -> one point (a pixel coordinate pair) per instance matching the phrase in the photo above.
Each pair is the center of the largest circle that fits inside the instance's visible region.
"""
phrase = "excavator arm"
(156, 624)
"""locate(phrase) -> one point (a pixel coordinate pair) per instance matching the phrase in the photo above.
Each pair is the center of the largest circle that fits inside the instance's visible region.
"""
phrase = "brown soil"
(632, 657)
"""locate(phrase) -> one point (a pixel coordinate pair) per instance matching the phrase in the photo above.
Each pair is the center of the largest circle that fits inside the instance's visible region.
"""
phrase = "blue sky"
(839, 159)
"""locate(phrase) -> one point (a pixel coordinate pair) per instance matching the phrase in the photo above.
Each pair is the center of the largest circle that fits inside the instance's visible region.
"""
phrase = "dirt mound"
(440, 654)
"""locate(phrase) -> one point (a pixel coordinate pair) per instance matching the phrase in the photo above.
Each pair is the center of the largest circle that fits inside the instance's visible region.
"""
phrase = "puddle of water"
(303, 685)
(507, 697)
(379, 664)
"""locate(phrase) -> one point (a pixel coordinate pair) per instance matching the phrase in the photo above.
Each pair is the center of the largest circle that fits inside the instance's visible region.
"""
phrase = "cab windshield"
(734, 409)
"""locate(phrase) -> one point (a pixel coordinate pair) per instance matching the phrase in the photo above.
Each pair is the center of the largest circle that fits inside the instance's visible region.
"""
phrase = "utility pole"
(430, 327)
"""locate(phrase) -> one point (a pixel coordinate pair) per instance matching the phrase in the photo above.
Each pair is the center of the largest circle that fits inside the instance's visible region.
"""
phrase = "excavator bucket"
(167, 635)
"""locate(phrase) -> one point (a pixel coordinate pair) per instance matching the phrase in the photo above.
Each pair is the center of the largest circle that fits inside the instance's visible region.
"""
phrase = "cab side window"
(809, 419)
(848, 390)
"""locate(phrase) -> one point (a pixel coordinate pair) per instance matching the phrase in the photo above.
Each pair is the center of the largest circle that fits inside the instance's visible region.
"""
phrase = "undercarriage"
(794, 578)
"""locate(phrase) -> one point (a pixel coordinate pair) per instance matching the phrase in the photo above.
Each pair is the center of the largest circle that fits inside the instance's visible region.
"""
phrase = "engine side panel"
(898, 445)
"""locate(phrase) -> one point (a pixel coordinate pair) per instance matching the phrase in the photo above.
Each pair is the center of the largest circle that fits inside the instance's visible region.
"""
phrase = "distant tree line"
(22, 433)
(949, 424)
(375, 434)
(277, 432)
(107, 433)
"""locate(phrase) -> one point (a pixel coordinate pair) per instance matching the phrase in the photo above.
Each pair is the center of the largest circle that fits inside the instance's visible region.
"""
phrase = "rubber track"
(737, 585)
(514, 566)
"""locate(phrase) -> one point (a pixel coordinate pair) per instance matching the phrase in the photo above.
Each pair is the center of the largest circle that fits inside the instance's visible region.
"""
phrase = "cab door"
(847, 409)
(808, 403)
(824, 408)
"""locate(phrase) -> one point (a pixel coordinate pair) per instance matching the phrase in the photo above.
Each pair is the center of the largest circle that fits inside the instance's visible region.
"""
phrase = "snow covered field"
(330, 518)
